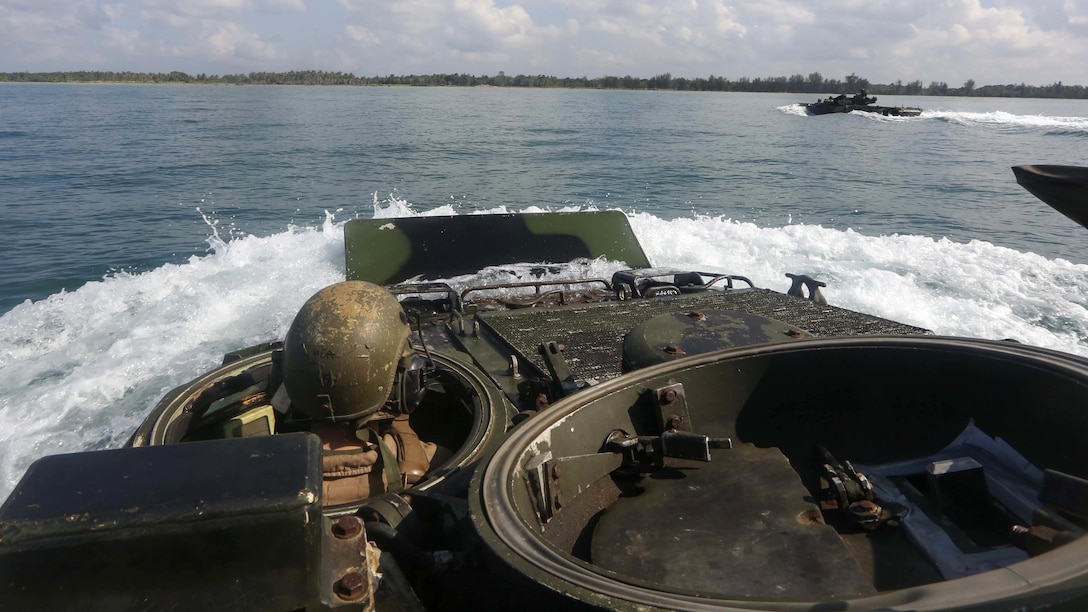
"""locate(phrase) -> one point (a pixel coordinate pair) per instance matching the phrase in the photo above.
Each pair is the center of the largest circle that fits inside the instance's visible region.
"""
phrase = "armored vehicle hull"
(647, 439)
(746, 504)
(822, 108)
(858, 102)
(1064, 188)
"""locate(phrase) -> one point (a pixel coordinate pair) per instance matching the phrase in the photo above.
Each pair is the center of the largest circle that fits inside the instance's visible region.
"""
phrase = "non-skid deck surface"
(592, 335)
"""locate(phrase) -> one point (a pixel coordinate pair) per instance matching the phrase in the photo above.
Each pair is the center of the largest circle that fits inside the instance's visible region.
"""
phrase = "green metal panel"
(387, 251)
(227, 524)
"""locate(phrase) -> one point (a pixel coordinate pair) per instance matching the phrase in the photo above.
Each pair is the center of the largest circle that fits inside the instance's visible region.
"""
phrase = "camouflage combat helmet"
(341, 354)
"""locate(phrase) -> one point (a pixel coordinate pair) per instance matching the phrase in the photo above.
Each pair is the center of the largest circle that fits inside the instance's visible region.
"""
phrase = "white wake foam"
(991, 119)
(79, 369)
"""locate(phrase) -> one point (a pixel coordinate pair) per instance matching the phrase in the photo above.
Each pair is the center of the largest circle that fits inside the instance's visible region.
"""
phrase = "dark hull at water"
(827, 108)
(1064, 188)
(858, 102)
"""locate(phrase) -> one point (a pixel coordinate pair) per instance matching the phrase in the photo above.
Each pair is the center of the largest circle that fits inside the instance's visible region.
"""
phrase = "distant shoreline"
(813, 84)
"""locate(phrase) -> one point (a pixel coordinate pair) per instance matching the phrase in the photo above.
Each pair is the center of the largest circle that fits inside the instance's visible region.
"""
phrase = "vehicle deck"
(592, 335)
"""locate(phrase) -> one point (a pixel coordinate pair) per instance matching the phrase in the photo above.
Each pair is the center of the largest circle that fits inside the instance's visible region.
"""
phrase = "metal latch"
(563, 383)
(654, 449)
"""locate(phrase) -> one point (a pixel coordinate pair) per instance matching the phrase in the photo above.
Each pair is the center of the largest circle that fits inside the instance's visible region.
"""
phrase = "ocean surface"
(150, 229)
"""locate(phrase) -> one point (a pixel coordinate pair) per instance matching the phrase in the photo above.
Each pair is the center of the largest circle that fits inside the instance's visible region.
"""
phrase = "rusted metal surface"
(352, 586)
(347, 527)
(350, 574)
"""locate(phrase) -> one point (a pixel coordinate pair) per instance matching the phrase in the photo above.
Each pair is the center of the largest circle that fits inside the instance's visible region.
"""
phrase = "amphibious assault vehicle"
(654, 439)
(860, 101)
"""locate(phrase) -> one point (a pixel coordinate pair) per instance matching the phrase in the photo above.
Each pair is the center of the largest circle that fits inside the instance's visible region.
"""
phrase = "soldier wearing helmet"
(348, 366)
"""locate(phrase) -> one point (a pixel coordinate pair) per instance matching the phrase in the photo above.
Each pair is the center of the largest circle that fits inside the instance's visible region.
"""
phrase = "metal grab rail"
(537, 285)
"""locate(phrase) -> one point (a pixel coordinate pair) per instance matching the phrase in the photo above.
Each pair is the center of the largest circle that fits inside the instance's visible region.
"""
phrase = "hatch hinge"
(542, 476)
(672, 408)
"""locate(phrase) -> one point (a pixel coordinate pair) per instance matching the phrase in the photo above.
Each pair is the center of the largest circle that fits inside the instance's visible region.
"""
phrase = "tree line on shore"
(814, 83)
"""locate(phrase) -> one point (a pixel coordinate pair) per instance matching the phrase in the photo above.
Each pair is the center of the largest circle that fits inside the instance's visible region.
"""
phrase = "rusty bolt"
(673, 349)
(558, 501)
(674, 422)
(347, 527)
(864, 509)
(555, 471)
(667, 396)
(352, 586)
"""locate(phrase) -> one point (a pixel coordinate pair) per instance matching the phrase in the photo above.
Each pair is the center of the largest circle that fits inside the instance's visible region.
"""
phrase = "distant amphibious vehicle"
(860, 101)
(655, 440)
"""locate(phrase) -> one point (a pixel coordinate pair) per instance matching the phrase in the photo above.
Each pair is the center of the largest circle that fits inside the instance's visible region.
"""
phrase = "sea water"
(150, 229)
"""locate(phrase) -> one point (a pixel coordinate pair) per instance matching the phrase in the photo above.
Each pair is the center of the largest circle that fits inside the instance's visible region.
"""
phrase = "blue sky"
(1037, 42)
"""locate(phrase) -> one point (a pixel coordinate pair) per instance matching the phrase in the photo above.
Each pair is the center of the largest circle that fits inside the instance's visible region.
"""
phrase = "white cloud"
(284, 6)
(128, 42)
(964, 40)
(233, 41)
(480, 25)
(181, 13)
(990, 41)
(361, 35)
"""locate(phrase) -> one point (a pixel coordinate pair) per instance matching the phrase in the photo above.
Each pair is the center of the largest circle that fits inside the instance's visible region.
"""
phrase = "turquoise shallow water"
(149, 229)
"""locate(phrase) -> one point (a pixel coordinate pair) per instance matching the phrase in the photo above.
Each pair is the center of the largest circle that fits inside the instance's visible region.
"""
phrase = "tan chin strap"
(411, 452)
(390, 464)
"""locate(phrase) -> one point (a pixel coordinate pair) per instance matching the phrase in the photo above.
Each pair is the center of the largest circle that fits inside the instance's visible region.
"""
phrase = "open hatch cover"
(387, 251)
